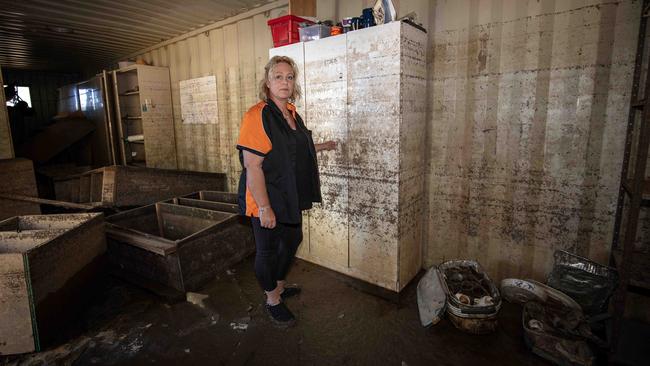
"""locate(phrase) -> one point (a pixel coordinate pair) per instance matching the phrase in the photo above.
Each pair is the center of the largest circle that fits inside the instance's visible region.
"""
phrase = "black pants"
(275, 250)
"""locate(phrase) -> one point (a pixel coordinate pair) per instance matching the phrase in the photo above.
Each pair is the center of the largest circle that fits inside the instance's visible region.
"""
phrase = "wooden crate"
(47, 263)
(17, 177)
(179, 245)
(120, 186)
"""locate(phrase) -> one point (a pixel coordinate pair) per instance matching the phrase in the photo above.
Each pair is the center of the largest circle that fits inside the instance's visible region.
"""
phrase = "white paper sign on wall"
(199, 100)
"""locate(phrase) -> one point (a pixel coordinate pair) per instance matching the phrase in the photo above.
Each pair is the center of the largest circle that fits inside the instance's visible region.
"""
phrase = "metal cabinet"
(366, 89)
(144, 117)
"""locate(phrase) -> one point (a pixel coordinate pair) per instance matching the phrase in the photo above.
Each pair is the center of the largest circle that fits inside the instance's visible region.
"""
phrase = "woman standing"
(279, 180)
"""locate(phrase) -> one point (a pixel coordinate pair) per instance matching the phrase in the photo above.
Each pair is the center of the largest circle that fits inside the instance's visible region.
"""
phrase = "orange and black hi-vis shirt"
(265, 132)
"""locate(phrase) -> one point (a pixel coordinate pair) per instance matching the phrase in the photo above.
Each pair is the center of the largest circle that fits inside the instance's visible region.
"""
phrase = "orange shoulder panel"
(252, 136)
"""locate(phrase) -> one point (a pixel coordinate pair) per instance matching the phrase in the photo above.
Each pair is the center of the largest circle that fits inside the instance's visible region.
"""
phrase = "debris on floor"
(432, 298)
(196, 299)
(239, 326)
(590, 284)
(465, 291)
(555, 327)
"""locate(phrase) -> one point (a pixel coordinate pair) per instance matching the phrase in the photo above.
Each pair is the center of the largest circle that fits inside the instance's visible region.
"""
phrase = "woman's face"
(281, 81)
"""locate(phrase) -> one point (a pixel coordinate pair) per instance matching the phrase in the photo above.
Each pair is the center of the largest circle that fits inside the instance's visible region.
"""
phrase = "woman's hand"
(327, 145)
(267, 217)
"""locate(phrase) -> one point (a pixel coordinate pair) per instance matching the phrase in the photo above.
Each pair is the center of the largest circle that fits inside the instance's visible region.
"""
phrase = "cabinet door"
(326, 107)
(373, 59)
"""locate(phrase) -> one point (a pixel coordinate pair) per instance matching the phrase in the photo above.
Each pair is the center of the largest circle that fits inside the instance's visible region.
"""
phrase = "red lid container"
(285, 29)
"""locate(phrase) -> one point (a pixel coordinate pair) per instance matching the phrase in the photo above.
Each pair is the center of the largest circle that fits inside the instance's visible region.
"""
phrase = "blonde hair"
(264, 89)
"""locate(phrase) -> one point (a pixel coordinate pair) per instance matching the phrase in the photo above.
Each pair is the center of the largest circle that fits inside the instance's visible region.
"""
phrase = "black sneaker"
(290, 291)
(281, 315)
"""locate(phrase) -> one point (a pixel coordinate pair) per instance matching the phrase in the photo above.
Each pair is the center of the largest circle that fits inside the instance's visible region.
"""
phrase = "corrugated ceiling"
(74, 35)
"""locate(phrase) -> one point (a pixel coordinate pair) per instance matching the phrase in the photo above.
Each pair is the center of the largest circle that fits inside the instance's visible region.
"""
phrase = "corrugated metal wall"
(43, 90)
(6, 146)
(529, 103)
(236, 55)
(526, 120)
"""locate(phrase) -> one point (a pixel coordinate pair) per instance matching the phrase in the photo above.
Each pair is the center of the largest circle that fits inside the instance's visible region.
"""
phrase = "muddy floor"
(338, 324)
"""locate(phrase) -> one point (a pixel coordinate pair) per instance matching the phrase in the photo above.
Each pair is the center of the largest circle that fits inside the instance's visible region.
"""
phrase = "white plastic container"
(313, 32)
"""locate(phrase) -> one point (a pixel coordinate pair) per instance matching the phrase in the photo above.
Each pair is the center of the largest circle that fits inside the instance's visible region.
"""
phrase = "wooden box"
(47, 263)
(120, 186)
(179, 245)
(17, 177)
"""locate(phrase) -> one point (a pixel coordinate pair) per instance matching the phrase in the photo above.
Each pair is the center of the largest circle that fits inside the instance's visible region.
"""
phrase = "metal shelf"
(645, 191)
(638, 266)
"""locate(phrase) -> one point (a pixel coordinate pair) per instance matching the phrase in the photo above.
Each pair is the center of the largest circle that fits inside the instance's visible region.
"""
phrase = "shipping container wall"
(235, 54)
(6, 145)
(526, 116)
(43, 89)
(528, 112)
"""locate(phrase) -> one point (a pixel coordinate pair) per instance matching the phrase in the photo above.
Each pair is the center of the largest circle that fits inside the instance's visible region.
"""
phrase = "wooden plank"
(118, 120)
(46, 202)
(6, 143)
(209, 205)
(110, 123)
(142, 240)
(219, 196)
(192, 212)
